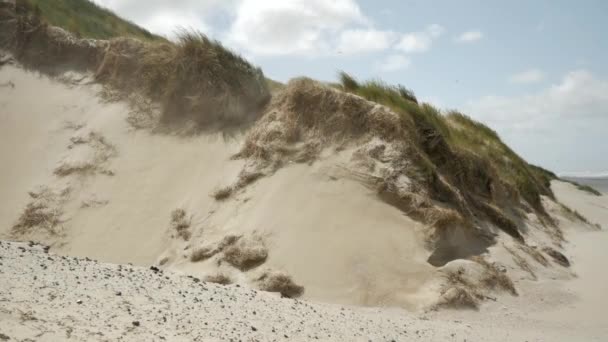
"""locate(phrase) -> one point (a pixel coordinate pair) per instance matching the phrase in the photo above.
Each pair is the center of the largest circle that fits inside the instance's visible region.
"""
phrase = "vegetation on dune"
(195, 78)
(85, 19)
(453, 134)
(197, 82)
(583, 187)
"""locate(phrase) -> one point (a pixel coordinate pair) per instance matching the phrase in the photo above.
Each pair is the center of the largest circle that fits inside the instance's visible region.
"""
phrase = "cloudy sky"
(535, 71)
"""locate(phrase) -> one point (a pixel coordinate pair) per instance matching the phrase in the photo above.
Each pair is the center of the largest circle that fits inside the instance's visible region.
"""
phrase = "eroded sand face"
(108, 191)
(117, 187)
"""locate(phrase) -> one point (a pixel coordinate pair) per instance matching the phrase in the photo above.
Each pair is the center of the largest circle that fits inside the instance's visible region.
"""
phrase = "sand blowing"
(182, 158)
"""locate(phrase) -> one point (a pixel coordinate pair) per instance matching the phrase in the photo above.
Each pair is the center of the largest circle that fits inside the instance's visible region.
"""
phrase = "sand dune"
(93, 185)
(333, 218)
(48, 297)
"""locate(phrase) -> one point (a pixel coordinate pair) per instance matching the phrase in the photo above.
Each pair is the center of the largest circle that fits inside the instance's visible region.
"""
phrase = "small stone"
(136, 323)
(118, 293)
(254, 328)
(79, 301)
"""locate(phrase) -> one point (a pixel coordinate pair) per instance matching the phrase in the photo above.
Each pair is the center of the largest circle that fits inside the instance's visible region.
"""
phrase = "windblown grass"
(85, 19)
(582, 187)
(196, 82)
(195, 78)
(456, 143)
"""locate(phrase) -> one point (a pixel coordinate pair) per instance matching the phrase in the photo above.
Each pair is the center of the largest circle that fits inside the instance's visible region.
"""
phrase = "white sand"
(328, 231)
(332, 236)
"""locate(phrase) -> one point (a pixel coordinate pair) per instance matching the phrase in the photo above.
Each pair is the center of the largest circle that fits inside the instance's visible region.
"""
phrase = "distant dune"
(600, 183)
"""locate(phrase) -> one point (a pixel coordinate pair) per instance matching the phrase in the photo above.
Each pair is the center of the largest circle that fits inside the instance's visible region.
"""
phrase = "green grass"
(85, 19)
(453, 133)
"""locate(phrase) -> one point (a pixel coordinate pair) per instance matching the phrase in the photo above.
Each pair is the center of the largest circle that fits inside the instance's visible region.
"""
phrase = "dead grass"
(557, 256)
(521, 262)
(223, 193)
(180, 223)
(195, 79)
(206, 252)
(457, 298)
(42, 212)
(493, 278)
(534, 253)
(246, 253)
(198, 83)
(573, 214)
(218, 278)
(203, 253)
(244, 179)
(277, 281)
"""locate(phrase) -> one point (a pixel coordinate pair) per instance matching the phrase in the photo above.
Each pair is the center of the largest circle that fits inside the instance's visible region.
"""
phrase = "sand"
(315, 222)
(110, 190)
(48, 297)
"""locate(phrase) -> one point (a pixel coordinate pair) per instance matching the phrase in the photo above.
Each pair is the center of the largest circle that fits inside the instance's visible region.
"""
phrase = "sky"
(535, 71)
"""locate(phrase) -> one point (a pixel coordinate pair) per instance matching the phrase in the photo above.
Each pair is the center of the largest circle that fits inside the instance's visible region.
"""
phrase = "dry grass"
(573, 214)
(218, 278)
(203, 253)
(276, 281)
(43, 211)
(180, 223)
(206, 252)
(534, 253)
(198, 83)
(100, 152)
(457, 298)
(493, 278)
(246, 253)
(521, 262)
(244, 179)
(195, 79)
(223, 193)
(497, 217)
(557, 256)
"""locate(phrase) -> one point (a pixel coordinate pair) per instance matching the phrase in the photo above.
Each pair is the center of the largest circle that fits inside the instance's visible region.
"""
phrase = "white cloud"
(420, 41)
(278, 27)
(394, 63)
(579, 96)
(469, 37)
(562, 127)
(527, 76)
(364, 40)
(162, 18)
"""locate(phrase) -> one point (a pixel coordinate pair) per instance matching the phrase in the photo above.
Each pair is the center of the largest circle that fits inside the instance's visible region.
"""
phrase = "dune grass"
(85, 19)
(582, 187)
(444, 135)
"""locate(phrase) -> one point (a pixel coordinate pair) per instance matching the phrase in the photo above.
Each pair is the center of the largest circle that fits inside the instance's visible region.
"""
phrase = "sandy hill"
(178, 155)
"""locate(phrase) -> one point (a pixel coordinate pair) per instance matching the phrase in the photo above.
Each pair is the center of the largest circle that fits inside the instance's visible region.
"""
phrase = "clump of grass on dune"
(453, 142)
(195, 78)
(583, 187)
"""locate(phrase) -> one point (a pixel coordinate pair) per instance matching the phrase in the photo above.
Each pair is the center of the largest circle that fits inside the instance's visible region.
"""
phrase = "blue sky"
(533, 70)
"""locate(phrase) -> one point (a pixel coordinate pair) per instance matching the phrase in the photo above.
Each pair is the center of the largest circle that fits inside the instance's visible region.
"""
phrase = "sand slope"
(116, 190)
(98, 187)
